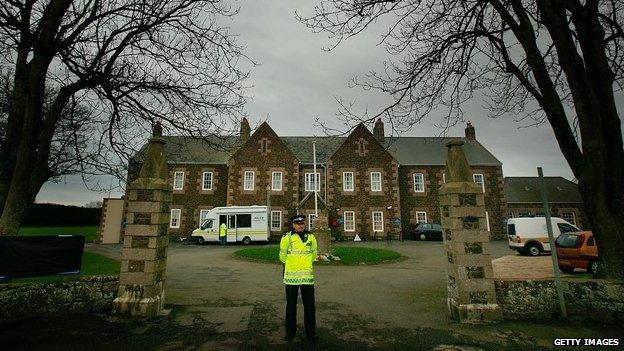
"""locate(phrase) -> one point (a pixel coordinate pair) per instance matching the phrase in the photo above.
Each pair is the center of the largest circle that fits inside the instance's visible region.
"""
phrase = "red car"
(577, 250)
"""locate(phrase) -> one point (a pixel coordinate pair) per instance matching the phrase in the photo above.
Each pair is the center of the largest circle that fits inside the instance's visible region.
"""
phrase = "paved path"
(400, 293)
(523, 267)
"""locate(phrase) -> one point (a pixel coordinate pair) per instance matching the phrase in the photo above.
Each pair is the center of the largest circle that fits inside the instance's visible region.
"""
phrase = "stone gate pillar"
(471, 291)
(323, 235)
(144, 253)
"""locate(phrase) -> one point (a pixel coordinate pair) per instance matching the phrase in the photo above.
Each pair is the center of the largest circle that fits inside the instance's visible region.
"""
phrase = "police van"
(244, 224)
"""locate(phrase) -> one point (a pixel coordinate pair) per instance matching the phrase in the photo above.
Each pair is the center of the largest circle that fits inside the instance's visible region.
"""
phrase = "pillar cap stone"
(457, 166)
(454, 142)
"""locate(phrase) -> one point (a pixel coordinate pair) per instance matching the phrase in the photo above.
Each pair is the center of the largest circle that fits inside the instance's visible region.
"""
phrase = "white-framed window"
(276, 220)
(377, 221)
(375, 181)
(249, 180)
(203, 214)
(419, 182)
(263, 146)
(347, 181)
(276, 181)
(178, 180)
(569, 216)
(311, 182)
(311, 219)
(510, 215)
(349, 221)
(524, 214)
(478, 178)
(174, 219)
(540, 214)
(207, 181)
(421, 217)
(487, 220)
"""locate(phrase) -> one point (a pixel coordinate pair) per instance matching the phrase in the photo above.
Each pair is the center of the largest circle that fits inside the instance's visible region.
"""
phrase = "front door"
(231, 233)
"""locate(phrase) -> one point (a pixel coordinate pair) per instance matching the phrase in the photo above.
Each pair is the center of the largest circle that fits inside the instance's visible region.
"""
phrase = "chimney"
(470, 132)
(245, 130)
(378, 130)
(157, 130)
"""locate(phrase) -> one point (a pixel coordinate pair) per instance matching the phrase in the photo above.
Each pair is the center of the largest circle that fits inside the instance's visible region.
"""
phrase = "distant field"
(92, 264)
(90, 232)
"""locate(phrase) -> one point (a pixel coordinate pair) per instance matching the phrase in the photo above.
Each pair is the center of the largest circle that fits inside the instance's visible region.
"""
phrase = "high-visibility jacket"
(223, 230)
(297, 256)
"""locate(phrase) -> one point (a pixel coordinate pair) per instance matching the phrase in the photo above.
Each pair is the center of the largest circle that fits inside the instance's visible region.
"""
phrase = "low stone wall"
(88, 294)
(598, 300)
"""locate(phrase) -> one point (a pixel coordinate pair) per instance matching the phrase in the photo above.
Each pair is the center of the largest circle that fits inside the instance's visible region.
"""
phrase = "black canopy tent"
(40, 255)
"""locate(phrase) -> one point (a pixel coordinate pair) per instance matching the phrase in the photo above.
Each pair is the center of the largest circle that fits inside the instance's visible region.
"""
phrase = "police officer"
(298, 250)
(223, 233)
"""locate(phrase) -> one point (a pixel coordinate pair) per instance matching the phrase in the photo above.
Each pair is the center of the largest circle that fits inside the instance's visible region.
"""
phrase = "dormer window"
(264, 146)
(361, 147)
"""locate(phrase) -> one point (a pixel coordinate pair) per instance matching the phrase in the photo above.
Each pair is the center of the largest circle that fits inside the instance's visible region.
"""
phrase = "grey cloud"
(297, 80)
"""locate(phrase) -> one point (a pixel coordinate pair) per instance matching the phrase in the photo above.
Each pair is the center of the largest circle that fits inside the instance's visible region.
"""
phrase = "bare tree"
(70, 149)
(124, 64)
(550, 60)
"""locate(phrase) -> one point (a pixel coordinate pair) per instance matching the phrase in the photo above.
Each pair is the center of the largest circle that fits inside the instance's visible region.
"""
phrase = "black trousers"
(309, 311)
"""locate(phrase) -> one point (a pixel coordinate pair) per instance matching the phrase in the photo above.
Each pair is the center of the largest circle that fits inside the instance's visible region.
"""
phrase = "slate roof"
(431, 151)
(302, 147)
(188, 150)
(527, 190)
(423, 151)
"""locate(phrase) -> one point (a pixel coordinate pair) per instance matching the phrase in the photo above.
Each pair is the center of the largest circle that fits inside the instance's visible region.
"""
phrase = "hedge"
(61, 215)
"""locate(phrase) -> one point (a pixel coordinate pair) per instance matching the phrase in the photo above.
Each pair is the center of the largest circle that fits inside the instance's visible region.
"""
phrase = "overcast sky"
(296, 83)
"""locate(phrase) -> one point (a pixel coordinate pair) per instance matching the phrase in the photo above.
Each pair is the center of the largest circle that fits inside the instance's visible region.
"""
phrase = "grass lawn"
(90, 232)
(348, 254)
(92, 264)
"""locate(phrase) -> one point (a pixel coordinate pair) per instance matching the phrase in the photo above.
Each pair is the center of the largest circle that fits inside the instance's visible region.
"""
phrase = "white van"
(529, 236)
(245, 224)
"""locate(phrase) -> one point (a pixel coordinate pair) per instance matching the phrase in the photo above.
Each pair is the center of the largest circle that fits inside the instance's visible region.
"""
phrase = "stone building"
(368, 184)
(524, 199)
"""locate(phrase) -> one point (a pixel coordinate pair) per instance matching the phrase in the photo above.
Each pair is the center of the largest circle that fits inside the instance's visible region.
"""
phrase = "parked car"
(577, 250)
(427, 231)
(529, 236)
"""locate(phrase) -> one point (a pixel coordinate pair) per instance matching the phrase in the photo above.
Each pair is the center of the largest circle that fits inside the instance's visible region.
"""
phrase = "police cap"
(298, 218)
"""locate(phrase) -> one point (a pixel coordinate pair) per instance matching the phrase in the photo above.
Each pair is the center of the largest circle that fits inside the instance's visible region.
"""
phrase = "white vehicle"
(529, 236)
(245, 224)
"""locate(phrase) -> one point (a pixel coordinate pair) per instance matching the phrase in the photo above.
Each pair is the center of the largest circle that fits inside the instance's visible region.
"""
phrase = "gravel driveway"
(219, 302)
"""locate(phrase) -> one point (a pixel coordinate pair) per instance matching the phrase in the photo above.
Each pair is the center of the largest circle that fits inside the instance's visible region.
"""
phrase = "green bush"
(62, 215)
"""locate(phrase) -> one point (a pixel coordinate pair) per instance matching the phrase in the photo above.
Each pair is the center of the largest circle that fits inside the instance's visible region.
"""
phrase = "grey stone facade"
(86, 295)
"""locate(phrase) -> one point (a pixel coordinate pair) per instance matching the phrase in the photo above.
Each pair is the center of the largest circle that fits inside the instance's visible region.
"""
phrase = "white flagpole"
(315, 180)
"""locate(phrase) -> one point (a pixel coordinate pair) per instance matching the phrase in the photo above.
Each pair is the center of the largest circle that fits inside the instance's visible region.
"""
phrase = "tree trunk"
(19, 196)
(28, 178)
(606, 227)
(17, 204)
(14, 127)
